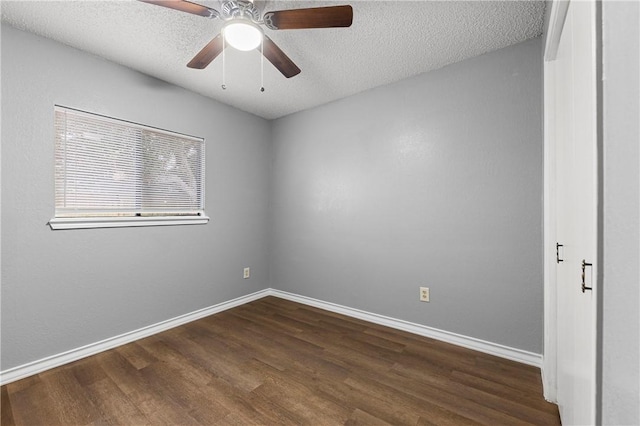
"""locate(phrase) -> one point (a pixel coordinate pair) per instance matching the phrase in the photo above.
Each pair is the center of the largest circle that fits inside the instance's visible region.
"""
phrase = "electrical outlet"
(424, 294)
(247, 273)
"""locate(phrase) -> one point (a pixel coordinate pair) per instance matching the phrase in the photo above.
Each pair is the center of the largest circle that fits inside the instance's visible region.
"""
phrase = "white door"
(576, 206)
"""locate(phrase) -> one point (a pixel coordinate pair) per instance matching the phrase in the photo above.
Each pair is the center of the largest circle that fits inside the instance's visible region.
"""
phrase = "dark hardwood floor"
(277, 362)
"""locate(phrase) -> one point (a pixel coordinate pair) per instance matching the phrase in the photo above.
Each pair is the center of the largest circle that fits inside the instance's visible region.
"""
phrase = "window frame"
(132, 219)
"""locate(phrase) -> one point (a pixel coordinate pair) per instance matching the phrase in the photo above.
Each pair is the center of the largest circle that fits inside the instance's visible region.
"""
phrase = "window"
(110, 173)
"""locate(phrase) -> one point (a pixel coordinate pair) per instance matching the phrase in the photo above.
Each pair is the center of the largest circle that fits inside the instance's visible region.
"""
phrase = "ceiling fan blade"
(316, 17)
(185, 6)
(207, 54)
(278, 58)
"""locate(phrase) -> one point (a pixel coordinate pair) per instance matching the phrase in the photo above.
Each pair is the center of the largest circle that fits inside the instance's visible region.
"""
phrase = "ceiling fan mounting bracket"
(268, 21)
(213, 14)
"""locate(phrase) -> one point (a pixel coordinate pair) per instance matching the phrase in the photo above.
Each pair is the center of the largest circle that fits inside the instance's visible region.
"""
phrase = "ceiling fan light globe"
(243, 35)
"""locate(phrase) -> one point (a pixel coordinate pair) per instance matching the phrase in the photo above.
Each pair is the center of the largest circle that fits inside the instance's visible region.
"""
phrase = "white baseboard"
(501, 351)
(35, 367)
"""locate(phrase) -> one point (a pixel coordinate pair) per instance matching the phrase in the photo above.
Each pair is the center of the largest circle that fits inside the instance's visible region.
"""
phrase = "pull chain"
(224, 62)
(262, 65)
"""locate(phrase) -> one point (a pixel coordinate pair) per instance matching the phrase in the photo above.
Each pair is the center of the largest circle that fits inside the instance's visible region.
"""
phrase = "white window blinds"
(111, 168)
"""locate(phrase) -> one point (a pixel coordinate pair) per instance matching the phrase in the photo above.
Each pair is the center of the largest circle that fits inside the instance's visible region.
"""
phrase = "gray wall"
(621, 228)
(65, 289)
(433, 181)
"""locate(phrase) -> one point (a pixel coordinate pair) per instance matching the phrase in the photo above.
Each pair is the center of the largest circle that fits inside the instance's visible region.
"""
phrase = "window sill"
(120, 222)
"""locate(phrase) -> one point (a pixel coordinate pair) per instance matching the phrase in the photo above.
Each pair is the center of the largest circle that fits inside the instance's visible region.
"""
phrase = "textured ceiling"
(388, 41)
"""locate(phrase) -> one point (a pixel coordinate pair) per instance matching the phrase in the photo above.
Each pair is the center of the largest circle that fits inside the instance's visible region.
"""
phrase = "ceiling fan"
(242, 28)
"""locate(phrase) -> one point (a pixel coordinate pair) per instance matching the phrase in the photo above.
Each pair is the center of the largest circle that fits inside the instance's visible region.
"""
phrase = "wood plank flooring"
(277, 362)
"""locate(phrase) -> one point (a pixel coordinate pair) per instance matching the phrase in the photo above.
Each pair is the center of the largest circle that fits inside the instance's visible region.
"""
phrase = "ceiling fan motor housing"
(233, 9)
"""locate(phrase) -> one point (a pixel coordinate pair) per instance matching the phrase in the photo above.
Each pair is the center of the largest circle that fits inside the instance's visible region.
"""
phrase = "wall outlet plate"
(424, 294)
(247, 273)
